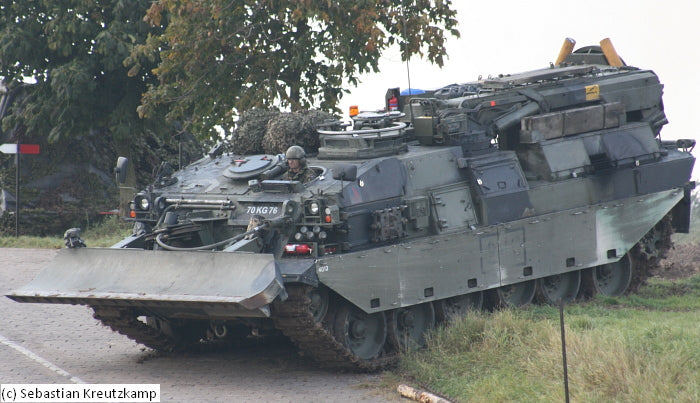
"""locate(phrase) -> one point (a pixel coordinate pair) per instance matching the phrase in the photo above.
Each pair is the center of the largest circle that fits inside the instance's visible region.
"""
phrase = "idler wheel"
(319, 303)
(220, 330)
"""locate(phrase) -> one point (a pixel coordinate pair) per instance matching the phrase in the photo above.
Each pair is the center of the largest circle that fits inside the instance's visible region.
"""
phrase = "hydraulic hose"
(210, 246)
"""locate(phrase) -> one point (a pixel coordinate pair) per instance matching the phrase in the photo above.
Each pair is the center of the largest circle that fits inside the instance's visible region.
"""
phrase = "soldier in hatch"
(297, 171)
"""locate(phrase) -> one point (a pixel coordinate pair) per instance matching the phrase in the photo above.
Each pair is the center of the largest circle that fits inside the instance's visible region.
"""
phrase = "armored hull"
(547, 185)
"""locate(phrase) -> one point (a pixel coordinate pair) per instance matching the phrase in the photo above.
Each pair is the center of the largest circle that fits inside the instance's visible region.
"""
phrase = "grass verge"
(637, 348)
(106, 233)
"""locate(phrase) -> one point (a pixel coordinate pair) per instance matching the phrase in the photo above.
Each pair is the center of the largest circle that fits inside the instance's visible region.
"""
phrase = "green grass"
(693, 236)
(106, 233)
(638, 348)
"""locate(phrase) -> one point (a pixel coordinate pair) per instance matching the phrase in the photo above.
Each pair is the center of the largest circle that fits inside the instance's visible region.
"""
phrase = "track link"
(293, 317)
(649, 251)
(125, 321)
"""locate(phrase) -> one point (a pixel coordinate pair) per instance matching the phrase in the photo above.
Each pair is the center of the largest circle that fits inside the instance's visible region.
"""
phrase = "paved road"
(43, 343)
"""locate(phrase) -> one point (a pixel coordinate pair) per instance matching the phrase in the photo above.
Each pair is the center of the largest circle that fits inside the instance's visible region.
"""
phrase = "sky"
(501, 37)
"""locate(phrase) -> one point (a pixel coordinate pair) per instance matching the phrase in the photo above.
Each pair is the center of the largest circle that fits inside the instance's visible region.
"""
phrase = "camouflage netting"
(272, 132)
(248, 137)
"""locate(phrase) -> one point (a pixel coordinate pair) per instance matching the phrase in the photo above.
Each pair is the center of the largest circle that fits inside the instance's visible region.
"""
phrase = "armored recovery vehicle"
(547, 185)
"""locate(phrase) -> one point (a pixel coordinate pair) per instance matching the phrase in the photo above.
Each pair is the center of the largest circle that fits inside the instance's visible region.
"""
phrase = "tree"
(74, 51)
(222, 57)
(61, 63)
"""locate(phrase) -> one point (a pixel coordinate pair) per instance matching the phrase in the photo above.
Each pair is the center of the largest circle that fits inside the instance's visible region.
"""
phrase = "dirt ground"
(682, 261)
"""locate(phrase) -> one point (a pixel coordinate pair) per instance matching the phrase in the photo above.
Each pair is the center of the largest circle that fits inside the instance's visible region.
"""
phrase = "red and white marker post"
(18, 149)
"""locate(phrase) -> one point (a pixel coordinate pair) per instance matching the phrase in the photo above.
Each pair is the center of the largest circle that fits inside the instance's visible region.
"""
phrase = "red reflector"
(303, 249)
(493, 103)
(29, 148)
(132, 214)
(297, 249)
(328, 218)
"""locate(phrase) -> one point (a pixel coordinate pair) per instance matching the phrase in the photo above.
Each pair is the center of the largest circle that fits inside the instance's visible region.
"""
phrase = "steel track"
(293, 317)
(125, 321)
(649, 251)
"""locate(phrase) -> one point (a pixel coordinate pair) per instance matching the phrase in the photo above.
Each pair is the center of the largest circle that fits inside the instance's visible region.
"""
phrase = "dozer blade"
(196, 284)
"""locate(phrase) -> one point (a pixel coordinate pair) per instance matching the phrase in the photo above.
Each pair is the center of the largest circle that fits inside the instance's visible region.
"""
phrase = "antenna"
(408, 57)
(408, 68)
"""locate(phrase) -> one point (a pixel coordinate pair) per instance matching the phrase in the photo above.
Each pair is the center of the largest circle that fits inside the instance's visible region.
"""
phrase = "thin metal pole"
(563, 349)
(17, 198)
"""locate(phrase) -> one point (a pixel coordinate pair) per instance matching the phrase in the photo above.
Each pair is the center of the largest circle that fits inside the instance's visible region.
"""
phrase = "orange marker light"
(493, 103)
(132, 214)
(354, 110)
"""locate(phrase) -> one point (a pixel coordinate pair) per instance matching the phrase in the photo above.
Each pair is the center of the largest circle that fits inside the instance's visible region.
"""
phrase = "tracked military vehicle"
(544, 185)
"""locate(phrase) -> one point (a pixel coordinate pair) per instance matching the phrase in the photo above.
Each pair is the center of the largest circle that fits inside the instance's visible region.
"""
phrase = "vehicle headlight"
(313, 208)
(142, 202)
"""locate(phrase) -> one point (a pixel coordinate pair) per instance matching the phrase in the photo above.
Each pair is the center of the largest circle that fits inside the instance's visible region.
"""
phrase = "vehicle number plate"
(268, 211)
(262, 210)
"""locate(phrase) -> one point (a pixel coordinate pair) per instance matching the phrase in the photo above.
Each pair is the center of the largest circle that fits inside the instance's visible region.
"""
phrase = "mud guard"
(237, 281)
(681, 212)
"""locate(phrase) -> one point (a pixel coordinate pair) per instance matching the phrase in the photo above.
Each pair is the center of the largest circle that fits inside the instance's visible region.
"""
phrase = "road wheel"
(362, 333)
(609, 279)
(559, 287)
(519, 294)
(407, 326)
(449, 309)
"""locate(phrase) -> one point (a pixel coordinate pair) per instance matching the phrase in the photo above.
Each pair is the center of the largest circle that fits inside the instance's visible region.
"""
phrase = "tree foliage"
(74, 50)
(62, 64)
(222, 57)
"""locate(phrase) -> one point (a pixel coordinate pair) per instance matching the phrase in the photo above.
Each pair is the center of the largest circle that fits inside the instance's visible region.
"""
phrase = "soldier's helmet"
(298, 153)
